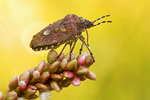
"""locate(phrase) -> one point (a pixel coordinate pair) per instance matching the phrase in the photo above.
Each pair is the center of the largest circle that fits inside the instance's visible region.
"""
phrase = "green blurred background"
(121, 49)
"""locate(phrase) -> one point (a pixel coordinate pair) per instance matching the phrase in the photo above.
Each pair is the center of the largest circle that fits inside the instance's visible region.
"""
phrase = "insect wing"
(48, 38)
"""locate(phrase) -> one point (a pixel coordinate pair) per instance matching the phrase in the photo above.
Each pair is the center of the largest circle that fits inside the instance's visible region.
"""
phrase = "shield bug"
(64, 31)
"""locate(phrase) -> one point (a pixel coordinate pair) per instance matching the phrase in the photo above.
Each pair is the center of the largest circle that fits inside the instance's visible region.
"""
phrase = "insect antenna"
(99, 19)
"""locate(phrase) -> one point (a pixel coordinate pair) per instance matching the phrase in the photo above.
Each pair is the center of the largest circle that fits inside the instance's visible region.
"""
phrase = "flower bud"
(72, 65)
(52, 56)
(90, 75)
(44, 77)
(53, 67)
(55, 86)
(88, 61)
(82, 78)
(31, 90)
(81, 60)
(36, 76)
(76, 81)
(65, 83)
(64, 64)
(59, 70)
(46, 66)
(81, 71)
(45, 95)
(22, 85)
(56, 77)
(11, 96)
(13, 83)
(68, 75)
(73, 56)
(25, 77)
(41, 66)
(32, 70)
(31, 97)
(42, 87)
(67, 56)
(18, 90)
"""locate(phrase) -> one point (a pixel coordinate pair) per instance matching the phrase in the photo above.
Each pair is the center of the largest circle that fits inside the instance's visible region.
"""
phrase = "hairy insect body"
(59, 32)
(67, 30)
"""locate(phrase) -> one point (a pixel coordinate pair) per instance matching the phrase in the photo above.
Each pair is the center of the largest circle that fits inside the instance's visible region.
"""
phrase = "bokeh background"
(121, 49)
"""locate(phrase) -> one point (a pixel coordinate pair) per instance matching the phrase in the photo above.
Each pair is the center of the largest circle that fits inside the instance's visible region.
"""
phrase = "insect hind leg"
(82, 39)
(81, 49)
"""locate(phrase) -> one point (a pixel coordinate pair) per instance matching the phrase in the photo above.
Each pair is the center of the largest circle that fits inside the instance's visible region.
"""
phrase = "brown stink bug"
(67, 30)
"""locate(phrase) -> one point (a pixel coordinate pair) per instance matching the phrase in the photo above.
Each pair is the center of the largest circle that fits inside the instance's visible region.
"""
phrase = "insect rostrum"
(67, 30)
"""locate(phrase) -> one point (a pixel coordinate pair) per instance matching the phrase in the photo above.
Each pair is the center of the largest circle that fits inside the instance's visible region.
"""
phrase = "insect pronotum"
(66, 30)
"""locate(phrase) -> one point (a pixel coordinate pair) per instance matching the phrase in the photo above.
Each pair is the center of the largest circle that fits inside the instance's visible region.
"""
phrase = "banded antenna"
(99, 19)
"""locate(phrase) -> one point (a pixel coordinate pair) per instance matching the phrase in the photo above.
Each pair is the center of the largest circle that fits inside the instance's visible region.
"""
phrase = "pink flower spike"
(76, 81)
(41, 66)
(81, 60)
(22, 85)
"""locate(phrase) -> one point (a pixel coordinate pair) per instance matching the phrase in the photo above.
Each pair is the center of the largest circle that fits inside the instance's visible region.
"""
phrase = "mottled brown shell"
(62, 31)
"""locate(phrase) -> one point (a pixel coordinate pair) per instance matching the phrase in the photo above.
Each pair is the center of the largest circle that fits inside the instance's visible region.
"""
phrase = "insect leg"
(80, 37)
(82, 43)
(87, 38)
(81, 48)
(73, 47)
(62, 50)
(70, 46)
(70, 50)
